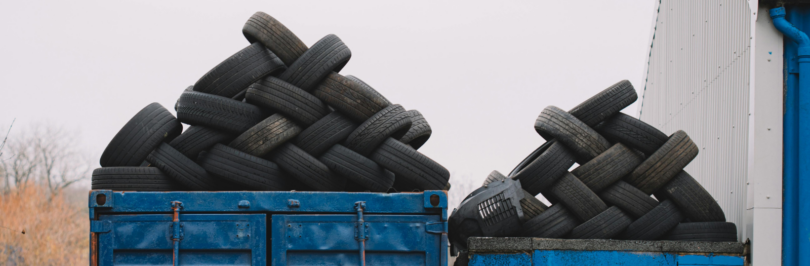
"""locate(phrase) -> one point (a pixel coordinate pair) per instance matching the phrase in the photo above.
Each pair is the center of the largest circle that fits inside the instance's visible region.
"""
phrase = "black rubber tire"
(325, 133)
(239, 96)
(199, 138)
(582, 140)
(605, 104)
(607, 168)
(239, 71)
(550, 165)
(287, 99)
(555, 222)
(704, 231)
(655, 223)
(392, 122)
(463, 259)
(244, 169)
(411, 166)
(664, 164)
(144, 132)
(530, 158)
(217, 112)
(182, 169)
(606, 225)
(325, 56)
(302, 166)
(266, 135)
(265, 29)
(692, 199)
(531, 206)
(494, 176)
(632, 132)
(131, 178)
(577, 198)
(628, 198)
(357, 169)
(420, 131)
(351, 97)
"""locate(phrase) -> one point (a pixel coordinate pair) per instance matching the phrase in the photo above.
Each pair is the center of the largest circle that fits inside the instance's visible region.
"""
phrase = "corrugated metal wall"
(698, 81)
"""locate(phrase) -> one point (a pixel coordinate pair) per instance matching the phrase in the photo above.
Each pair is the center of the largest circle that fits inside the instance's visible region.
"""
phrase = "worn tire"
(197, 139)
(325, 56)
(351, 96)
(606, 225)
(555, 222)
(704, 231)
(655, 223)
(265, 29)
(357, 169)
(182, 169)
(607, 168)
(325, 133)
(287, 99)
(531, 206)
(239, 71)
(551, 163)
(582, 140)
(144, 132)
(692, 199)
(411, 166)
(664, 164)
(244, 169)
(632, 201)
(217, 112)
(307, 169)
(266, 135)
(392, 121)
(420, 131)
(577, 198)
(132, 178)
(494, 176)
(632, 132)
(605, 104)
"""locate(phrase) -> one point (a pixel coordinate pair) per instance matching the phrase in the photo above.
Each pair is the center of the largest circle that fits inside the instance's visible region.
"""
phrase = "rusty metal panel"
(698, 81)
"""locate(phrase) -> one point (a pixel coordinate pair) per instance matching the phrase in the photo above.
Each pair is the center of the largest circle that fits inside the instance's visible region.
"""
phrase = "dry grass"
(56, 230)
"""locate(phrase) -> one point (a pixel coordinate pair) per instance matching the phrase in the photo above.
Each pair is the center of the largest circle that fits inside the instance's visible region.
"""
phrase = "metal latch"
(436, 227)
(177, 231)
(361, 230)
(100, 226)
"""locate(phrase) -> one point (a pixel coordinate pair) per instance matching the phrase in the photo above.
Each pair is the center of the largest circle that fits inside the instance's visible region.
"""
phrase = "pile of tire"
(622, 163)
(274, 116)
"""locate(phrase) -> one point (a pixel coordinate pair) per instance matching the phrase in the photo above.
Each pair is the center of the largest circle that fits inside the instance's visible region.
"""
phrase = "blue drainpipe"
(796, 206)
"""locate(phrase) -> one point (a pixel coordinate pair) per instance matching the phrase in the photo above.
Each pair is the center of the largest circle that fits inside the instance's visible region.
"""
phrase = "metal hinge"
(177, 231)
(436, 227)
(100, 226)
(361, 230)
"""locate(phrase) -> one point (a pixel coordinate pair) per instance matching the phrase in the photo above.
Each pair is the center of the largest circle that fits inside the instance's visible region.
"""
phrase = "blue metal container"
(267, 228)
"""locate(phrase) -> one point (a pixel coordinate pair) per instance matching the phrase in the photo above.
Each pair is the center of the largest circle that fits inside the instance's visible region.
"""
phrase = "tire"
(266, 135)
(628, 198)
(325, 133)
(307, 169)
(182, 169)
(132, 178)
(655, 223)
(199, 138)
(607, 168)
(551, 163)
(392, 121)
(217, 112)
(244, 169)
(420, 131)
(577, 198)
(555, 222)
(239, 71)
(287, 99)
(351, 97)
(144, 132)
(664, 164)
(692, 199)
(582, 140)
(275, 36)
(531, 206)
(632, 132)
(606, 225)
(410, 166)
(358, 169)
(605, 104)
(704, 231)
(325, 56)
(494, 176)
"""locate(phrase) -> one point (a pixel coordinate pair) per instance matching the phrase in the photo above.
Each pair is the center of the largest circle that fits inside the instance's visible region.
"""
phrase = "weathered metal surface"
(493, 244)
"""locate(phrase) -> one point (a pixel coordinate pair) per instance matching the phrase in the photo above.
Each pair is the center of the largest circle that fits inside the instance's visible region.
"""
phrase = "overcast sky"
(480, 72)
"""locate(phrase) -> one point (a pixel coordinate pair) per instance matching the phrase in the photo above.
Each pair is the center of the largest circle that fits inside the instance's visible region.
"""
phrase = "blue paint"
(603, 258)
(796, 206)
(516, 259)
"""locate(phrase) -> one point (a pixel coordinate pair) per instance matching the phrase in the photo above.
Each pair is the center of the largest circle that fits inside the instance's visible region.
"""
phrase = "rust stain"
(93, 249)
